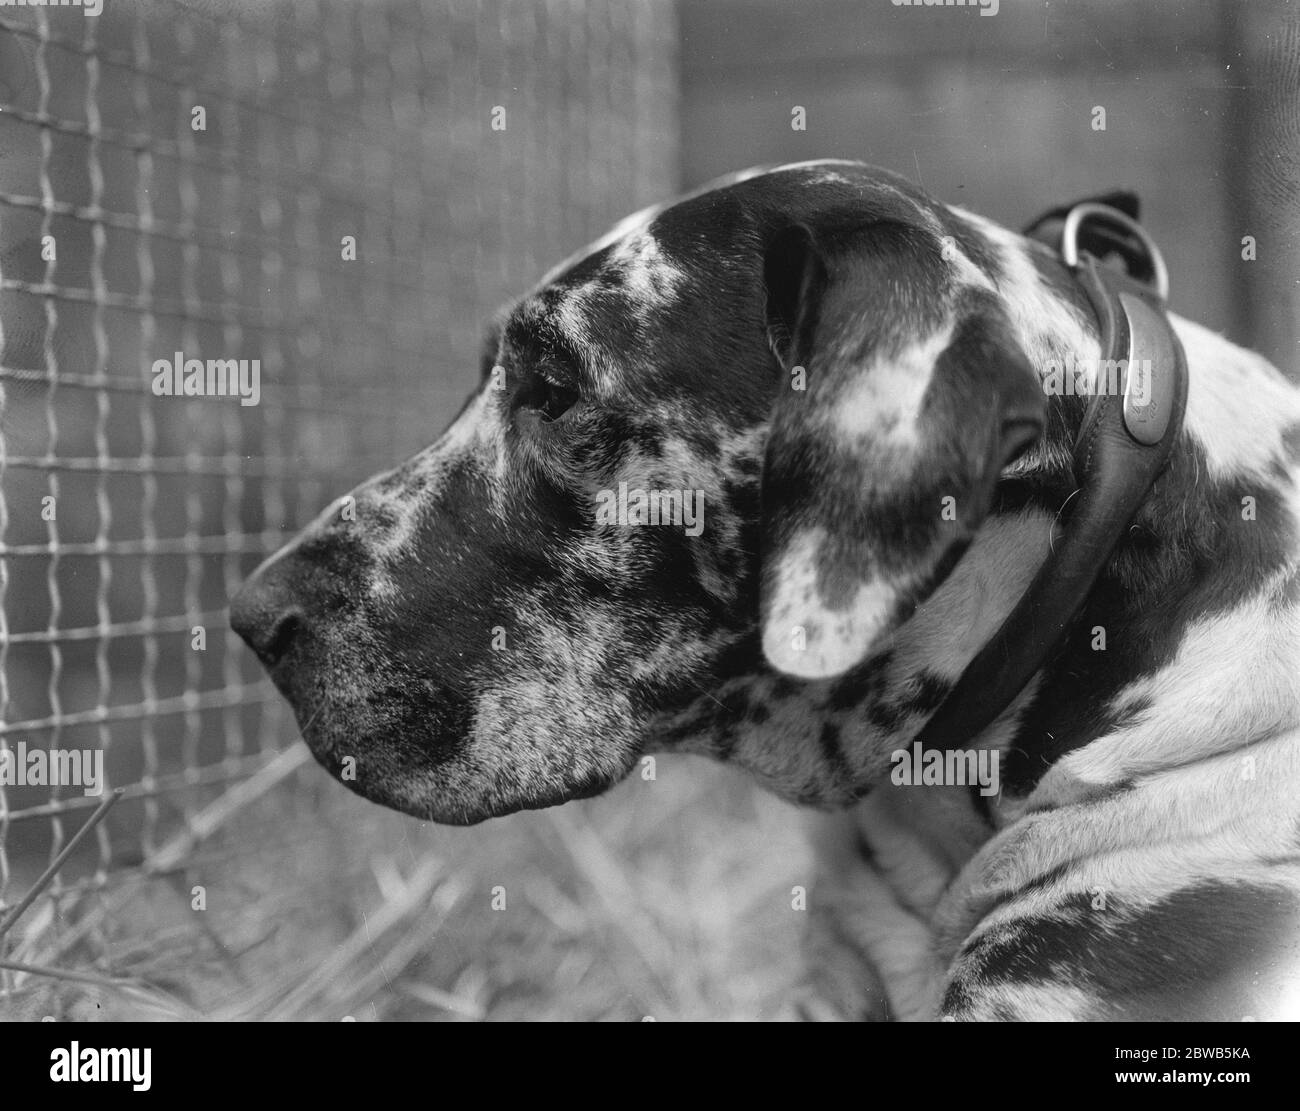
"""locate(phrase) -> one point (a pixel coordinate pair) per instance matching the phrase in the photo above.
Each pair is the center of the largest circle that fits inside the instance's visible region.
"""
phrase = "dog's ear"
(904, 393)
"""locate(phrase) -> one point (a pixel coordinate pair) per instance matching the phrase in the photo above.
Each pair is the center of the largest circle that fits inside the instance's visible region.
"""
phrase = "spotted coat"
(850, 374)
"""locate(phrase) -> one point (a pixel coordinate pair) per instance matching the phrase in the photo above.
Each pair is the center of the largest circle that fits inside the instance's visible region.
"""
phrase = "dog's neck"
(1200, 598)
(1198, 602)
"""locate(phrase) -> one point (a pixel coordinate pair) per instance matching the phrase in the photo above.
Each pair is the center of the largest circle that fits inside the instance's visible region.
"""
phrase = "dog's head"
(751, 430)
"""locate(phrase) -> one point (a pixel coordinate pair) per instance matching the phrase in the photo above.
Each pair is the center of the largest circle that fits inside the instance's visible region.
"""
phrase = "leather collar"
(1123, 444)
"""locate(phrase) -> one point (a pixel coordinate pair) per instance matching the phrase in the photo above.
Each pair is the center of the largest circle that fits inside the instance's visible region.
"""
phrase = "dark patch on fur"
(1200, 952)
(924, 692)
(860, 683)
(918, 695)
(784, 687)
(829, 742)
(1042, 880)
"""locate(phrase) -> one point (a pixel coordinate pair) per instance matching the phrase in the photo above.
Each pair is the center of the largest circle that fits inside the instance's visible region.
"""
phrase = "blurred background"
(185, 175)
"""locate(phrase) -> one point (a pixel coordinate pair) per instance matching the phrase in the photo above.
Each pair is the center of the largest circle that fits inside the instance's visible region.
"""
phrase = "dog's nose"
(265, 614)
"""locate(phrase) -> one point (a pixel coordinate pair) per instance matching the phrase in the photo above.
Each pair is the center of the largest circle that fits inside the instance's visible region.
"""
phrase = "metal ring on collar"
(1104, 213)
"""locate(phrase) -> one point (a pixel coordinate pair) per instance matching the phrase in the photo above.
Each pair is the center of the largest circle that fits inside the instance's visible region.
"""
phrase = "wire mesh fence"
(330, 196)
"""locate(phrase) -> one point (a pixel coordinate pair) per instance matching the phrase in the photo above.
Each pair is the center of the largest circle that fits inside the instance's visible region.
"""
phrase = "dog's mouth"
(351, 700)
(383, 747)
(411, 696)
(402, 768)
(405, 742)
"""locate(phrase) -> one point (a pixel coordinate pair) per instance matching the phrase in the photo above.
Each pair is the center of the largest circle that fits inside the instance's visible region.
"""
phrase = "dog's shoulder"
(1173, 895)
(1241, 410)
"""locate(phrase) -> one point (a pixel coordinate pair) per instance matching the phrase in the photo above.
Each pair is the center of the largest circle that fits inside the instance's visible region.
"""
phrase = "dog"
(846, 379)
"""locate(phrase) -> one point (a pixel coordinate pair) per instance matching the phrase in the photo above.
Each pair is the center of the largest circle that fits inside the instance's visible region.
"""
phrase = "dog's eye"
(548, 398)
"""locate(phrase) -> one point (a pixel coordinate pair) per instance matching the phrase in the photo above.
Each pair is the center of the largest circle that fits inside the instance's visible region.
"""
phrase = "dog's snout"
(266, 615)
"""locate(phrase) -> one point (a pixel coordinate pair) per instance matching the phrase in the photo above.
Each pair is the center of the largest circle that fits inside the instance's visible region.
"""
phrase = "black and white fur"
(477, 642)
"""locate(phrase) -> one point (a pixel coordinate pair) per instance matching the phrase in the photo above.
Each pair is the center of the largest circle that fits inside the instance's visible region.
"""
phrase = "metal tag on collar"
(1143, 340)
(1148, 377)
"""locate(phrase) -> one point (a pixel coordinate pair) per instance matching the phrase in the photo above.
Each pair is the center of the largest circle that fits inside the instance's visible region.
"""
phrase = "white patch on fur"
(1047, 328)
(835, 640)
(883, 403)
(1232, 681)
(650, 282)
(967, 273)
(572, 314)
(647, 275)
(1238, 404)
